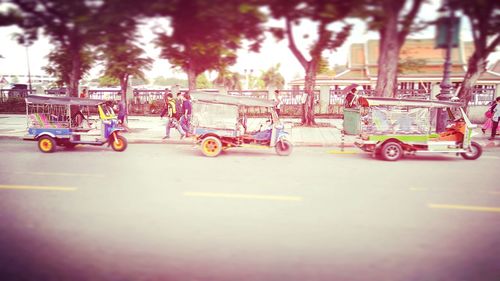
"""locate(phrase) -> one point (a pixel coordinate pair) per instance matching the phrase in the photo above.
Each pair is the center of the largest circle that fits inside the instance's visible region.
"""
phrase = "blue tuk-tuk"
(69, 121)
(219, 122)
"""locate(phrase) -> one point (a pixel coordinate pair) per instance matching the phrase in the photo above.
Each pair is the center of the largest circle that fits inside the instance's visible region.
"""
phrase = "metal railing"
(114, 95)
(9, 94)
(250, 93)
(482, 97)
(296, 97)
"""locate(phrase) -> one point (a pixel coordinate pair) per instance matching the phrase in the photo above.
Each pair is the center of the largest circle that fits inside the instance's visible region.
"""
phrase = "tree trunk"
(191, 79)
(74, 77)
(389, 48)
(475, 67)
(308, 106)
(123, 86)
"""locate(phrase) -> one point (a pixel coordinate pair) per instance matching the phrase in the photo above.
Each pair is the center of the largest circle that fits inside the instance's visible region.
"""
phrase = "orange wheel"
(46, 144)
(211, 146)
(118, 143)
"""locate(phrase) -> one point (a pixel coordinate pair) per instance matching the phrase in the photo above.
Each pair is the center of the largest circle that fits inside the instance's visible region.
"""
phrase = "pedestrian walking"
(178, 106)
(495, 109)
(488, 124)
(278, 100)
(171, 120)
(186, 113)
(122, 114)
(83, 94)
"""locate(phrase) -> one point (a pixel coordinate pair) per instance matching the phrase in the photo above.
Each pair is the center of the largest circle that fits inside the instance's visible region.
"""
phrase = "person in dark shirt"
(186, 113)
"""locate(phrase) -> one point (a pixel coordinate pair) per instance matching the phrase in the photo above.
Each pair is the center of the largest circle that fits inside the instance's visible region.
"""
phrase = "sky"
(14, 59)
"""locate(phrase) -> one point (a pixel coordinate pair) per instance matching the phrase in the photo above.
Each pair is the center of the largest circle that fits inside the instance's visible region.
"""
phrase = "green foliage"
(324, 67)
(118, 42)
(202, 82)
(69, 26)
(108, 81)
(169, 81)
(135, 81)
(273, 78)
(206, 34)
(229, 80)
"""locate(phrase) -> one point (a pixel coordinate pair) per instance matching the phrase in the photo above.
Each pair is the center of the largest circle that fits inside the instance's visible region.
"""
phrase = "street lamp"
(29, 72)
(446, 38)
(248, 74)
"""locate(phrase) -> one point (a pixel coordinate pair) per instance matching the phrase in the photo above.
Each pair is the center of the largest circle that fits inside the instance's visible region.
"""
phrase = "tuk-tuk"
(391, 127)
(69, 121)
(220, 122)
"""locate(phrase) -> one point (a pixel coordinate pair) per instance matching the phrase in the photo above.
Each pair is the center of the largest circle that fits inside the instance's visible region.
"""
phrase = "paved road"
(164, 212)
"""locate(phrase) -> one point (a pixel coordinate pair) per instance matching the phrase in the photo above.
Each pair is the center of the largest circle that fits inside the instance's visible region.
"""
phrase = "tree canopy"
(207, 33)
(323, 13)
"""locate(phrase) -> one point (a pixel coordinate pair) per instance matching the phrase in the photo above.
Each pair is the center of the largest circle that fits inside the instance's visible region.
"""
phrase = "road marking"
(465, 208)
(489, 157)
(34, 187)
(243, 196)
(59, 174)
(342, 152)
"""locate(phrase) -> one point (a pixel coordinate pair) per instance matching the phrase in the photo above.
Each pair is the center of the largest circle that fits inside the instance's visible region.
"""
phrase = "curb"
(484, 144)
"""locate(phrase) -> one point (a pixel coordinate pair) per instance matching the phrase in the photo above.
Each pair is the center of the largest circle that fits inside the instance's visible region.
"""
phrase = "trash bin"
(351, 121)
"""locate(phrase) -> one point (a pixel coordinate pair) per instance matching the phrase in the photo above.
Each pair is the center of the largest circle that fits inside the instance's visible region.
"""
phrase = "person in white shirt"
(495, 118)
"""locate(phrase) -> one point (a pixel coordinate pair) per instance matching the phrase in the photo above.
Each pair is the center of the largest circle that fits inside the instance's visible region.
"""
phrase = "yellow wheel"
(118, 144)
(211, 146)
(46, 144)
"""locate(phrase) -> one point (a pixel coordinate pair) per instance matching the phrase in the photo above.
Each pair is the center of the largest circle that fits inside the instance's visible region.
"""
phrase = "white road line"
(41, 188)
(243, 196)
(465, 208)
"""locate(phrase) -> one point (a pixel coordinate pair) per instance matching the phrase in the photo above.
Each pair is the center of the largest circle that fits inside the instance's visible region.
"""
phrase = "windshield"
(213, 115)
(396, 120)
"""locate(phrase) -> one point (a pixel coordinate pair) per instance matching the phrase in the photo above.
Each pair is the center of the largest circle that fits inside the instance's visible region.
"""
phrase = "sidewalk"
(151, 129)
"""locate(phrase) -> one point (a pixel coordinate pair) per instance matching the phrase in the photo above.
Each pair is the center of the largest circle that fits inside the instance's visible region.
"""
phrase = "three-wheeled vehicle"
(68, 121)
(390, 127)
(219, 122)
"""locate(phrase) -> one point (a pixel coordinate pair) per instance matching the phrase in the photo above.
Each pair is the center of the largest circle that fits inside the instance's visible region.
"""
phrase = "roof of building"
(420, 61)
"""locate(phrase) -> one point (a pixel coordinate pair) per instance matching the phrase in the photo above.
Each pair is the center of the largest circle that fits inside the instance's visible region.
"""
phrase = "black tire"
(121, 145)
(284, 147)
(211, 146)
(391, 151)
(475, 152)
(46, 144)
(68, 145)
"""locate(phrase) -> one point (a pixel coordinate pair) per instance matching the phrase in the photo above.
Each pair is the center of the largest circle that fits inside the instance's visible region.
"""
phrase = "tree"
(324, 67)
(206, 34)
(484, 17)
(388, 18)
(135, 81)
(68, 26)
(229, 80)
(272, 77)
(118, 43)
(323, 13)
(107, 81)
(164, 81)
(202, 81)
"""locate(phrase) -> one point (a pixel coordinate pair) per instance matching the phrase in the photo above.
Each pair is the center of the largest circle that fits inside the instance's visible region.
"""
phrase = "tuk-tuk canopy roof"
(380, 101)
(232, 100)
(44, 99)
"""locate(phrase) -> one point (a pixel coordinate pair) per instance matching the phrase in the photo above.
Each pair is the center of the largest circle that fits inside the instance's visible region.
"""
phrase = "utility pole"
(29, 72)
(447, 31)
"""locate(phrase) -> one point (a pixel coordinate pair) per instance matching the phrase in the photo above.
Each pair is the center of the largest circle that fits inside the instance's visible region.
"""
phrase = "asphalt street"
(165, 212)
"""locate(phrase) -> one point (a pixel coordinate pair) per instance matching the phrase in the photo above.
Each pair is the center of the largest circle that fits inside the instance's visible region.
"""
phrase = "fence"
(479, 96)
(9, 94)
(114, 95)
